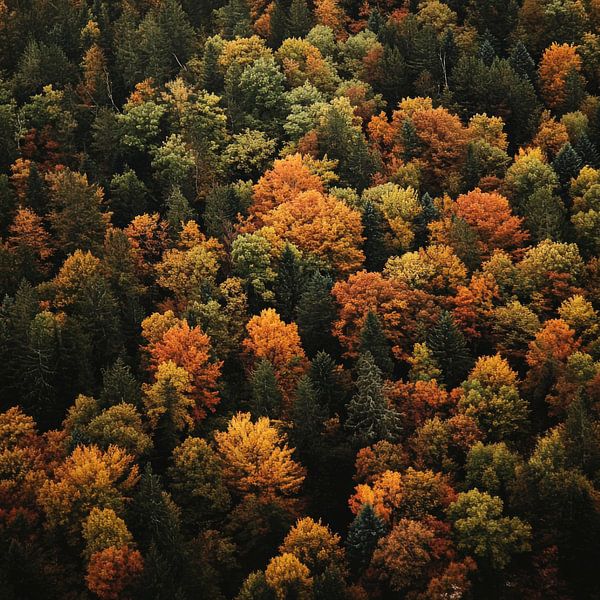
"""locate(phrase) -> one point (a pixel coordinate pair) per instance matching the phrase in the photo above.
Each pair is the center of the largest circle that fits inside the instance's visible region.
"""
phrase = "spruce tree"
(369, 417)
(428, 213)
(363, 535)
(300, 19)
(487, 53)
(375, 20)
(410, 140)
(315, 314)
(325, 378)
(567, 165)
(587, 151)
(545, 215)
(449, 348)
(212, 78)
(179, 210)
(520, 60)
(373, 231)
(278, 23)
(119, 385)
(308, 416)
(288, 283)
(265, 393)
(373, 340)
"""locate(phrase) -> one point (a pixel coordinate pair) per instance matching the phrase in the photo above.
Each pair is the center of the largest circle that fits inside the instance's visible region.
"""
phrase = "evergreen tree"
(520, 60)
(373, 340)
(212, 78)
(574, 91)
(394, 83)
(587, 151)
(375, 20)
(288, 283)
(545, 215)
(567, 165)
(308, 416)
(234, 19)
(369, 417)
(119, 385)
(364, 534)
(325, 378)
(278, 23)
(487, 52)
(300, 19)
(410, 140)
(428, 213)
(265, 392)
(316, 311)
(448, 346)
(373, 232)
(179, 210)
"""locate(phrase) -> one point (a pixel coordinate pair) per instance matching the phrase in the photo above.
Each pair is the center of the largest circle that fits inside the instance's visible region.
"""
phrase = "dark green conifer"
(373, 340)
(449, 348)
(265, 393)
(288, 283)
(520, 60)
(373, 232)
(363, 535)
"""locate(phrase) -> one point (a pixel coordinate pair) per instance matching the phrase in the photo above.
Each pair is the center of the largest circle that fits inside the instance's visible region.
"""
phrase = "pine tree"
(234, 19)
(587, 151)
(410, 140)
(363, 535)
(212, 78)
(300, 19)
(520, 60)
(574, 91)
(373, 232)
(179, 210)
(307, 417)
(369, 418)
(326, 383)
(428, 213)
(448, 346)
(265, 392)
(288, 283)
(278, 23)
(545, 215)
(394, 82)
(487, 53)
(373, 340)
(375, 20)
(566, 164)
(119, 385)
(316, 311)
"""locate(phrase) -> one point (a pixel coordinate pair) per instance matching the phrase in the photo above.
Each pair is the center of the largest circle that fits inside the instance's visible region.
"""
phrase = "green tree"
(370, 419)
(482, 530)
(448, 346)
(265, 393)
(308, 416)
(373, 230)
(289, 283)
(364, 534)
(373, 340)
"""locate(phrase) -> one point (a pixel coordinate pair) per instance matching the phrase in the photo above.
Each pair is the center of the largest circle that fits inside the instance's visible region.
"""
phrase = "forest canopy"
(299, 299)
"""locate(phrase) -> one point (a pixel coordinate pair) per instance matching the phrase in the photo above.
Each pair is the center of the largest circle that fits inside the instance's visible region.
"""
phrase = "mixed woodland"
(299, 299)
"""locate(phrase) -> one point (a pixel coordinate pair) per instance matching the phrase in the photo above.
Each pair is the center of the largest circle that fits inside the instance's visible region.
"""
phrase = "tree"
(481, 529)
(320, 226)
(266, 396)
(370, 419)
(374, 243)
(373, 340)
(363, 537)
(256, 459)
(556, 63)
(103, 529)
(113, 570)
(288, 577)
(76, 215)
(278, 342)
(449, 349)
(308, 416)
(491, 468)
(288, 283)
(521, 61)
(566, 164)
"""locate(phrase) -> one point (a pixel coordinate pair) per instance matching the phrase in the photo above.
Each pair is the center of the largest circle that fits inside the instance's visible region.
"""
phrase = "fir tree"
(373, 231)
(212, 78)
(265, 393)
(300, 19)
(487, 53)
(234, 19)
(545, 215)
(520, 60)
(373, 340)
(119, 385)
(316, 311)
(363, 535)
(428, 213)
(179, 210)
(326, 382)
(587, 151)
(566, 164)
(308, 416)
(278, 23)
(369, 417)
(375, 20)
(448, 347)
(410, 140)
(288, 283)
(574, 91)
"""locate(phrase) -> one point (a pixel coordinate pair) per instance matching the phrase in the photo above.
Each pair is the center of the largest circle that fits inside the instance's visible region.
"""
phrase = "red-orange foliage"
(148, 237)
(112, 571)
(491, 217)
(279, 342)
(399, 308)
(474, 305)
(418, 401)
(288, 178)
(555, 64)
(190, 348)
(27, 236)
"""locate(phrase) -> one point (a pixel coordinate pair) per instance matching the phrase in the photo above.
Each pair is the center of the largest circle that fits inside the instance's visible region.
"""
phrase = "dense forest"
(299, 299)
